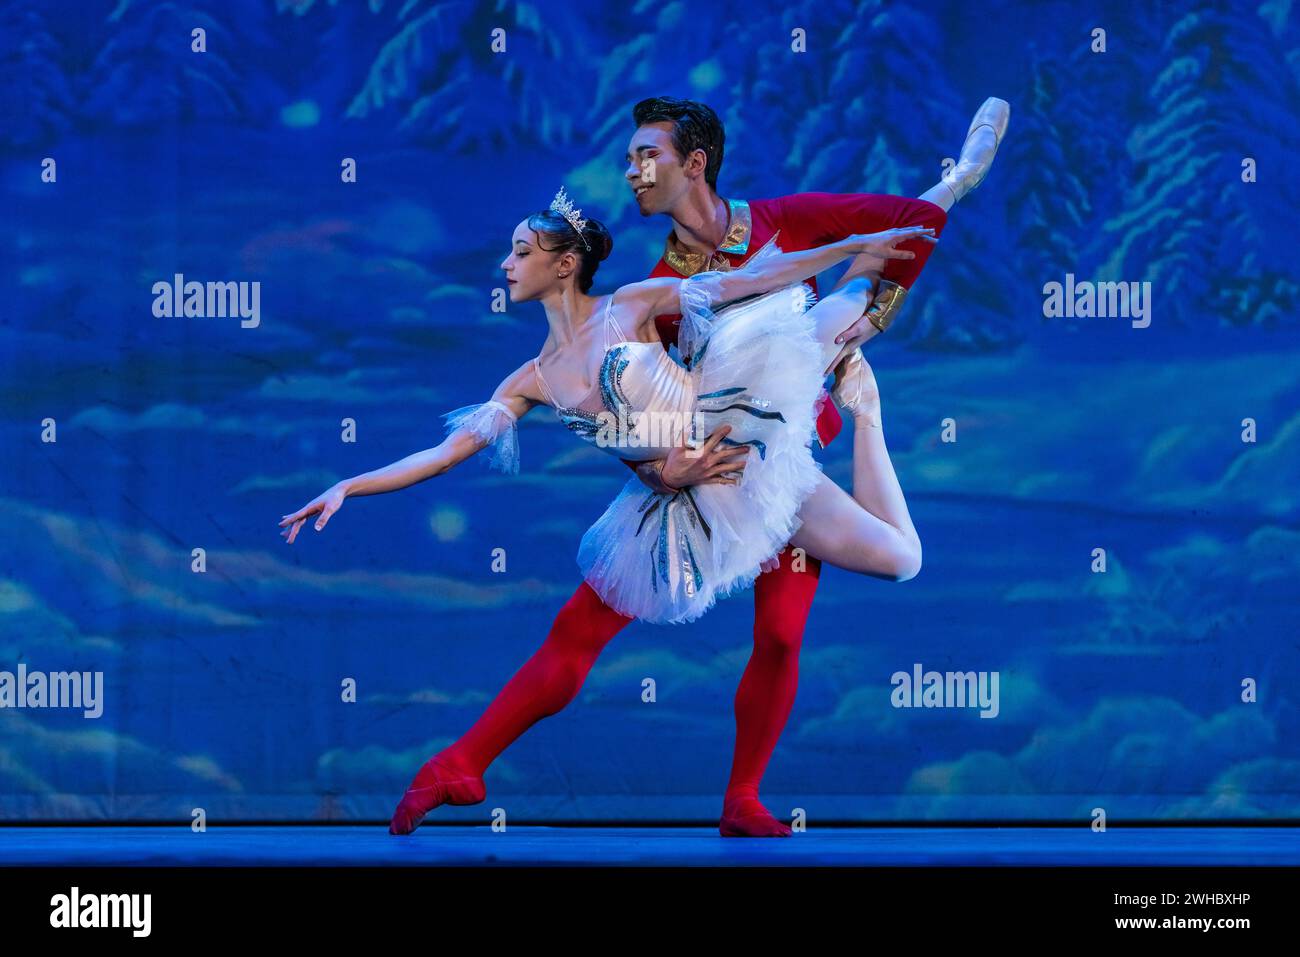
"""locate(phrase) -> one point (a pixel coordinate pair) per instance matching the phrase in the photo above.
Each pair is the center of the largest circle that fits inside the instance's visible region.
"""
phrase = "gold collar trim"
(734, 242)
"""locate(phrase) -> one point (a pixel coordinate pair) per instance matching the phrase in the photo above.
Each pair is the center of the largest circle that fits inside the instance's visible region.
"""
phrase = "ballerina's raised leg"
(861, 282)
(871, 531)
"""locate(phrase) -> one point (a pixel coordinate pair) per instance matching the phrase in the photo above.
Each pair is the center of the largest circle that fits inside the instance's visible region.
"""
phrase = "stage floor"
(478, 846)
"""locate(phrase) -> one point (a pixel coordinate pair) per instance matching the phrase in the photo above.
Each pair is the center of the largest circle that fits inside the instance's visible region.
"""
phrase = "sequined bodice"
(646, 401)
(641, 402)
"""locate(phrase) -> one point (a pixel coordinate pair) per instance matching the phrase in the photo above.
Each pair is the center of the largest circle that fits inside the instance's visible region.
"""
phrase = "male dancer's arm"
(711, 464)
(829, 217)
(825, 218)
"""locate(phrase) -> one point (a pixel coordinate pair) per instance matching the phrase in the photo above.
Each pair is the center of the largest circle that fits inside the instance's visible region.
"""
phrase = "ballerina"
(756, 367)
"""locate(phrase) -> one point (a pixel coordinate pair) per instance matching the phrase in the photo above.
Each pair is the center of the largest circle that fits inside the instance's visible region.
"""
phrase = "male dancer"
(673, 162)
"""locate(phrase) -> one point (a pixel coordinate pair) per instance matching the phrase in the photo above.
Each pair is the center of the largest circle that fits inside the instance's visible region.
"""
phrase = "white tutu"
(755, 365)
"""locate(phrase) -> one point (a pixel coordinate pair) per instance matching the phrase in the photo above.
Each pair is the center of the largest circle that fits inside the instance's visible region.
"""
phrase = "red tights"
(552, 677)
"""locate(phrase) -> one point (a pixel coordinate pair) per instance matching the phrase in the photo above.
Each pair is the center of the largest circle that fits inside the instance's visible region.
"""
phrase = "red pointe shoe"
(745, 816)
(434, 784)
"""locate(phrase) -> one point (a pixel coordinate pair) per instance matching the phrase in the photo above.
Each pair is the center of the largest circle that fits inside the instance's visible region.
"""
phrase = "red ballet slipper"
(434, 784)
(745, 816)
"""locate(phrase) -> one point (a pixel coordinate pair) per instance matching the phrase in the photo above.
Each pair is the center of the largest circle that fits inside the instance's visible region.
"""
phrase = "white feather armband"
(495, 422)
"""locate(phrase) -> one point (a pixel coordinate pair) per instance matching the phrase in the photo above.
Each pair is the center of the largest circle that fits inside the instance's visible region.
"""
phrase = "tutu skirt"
(756, 366)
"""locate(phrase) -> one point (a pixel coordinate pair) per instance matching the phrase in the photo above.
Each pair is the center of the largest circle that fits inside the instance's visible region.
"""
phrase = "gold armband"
(886, 303)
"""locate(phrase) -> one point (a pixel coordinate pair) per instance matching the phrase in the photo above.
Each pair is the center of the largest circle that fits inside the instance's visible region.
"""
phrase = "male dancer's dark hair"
(695, 127)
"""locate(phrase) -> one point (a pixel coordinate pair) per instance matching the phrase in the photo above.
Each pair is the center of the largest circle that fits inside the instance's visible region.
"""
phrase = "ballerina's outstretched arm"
(471, 429)
(773, 272)
(764, 273)
(638, 303)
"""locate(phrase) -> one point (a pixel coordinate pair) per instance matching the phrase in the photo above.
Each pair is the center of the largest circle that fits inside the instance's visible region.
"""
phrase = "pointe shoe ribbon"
(445, 786)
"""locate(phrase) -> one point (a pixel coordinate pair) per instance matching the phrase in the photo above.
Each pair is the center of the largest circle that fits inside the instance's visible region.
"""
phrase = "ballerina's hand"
(326, 504)
(879, 248)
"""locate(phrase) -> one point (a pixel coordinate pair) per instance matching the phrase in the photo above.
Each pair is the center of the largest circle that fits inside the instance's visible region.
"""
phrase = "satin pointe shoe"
(855, 389)
(976, 158)
(434, 784)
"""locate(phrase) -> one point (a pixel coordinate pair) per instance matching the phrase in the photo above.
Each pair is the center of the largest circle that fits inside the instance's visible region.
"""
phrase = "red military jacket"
(805, 221)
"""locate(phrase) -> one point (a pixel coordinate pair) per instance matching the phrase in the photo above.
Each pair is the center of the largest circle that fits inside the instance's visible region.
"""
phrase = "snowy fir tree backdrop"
(1120, 689)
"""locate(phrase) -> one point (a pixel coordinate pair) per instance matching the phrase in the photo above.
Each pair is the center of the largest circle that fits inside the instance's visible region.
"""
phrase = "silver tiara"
(564, 206)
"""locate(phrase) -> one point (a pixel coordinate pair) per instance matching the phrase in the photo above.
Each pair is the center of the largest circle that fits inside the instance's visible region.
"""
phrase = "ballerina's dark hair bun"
(602, 243)
(556, 234)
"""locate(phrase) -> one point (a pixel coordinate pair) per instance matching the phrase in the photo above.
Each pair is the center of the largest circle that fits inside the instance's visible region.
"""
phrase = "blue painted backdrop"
(1120, 689)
